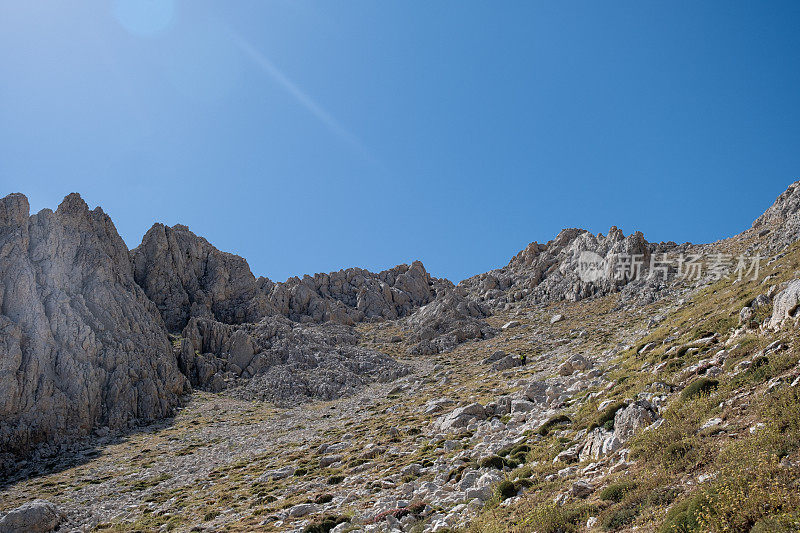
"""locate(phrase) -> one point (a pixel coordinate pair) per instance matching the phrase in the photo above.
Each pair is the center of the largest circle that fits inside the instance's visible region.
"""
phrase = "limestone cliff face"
(189, 278)
(81, 346)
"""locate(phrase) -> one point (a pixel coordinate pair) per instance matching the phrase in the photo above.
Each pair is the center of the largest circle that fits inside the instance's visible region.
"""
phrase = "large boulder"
(599, 442)
(37, 516)
(786, 304)
(462, 417)
(629, 420)
(81, 345)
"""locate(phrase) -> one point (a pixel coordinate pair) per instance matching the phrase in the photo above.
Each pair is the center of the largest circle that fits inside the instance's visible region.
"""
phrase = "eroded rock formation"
(81, 344)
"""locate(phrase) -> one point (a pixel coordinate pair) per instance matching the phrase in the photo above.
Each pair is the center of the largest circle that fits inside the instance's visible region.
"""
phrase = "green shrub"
(506, 490)
(772, 525)
(684, 516)
(677, 453)
(553, 422)
(335, 479)
(698, 387)
(325, 525)
(618, 518)
(607, 415)
(323, 498)
(616, 491)
(494, 461)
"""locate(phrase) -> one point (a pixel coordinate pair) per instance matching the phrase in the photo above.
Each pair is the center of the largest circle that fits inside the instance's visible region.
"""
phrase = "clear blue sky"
(313, 136)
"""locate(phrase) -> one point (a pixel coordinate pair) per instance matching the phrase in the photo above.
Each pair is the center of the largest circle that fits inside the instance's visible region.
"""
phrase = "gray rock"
(81, 347)
(329, 460)
(187, 277)
(785, 305)
(37, 516)
(543, 273)
(462, 417)
(632, 418)
(280, 360)
(573, 364)
(507, 362)
(445, 323)
(599, 442)
(581, 489)
(303, 509)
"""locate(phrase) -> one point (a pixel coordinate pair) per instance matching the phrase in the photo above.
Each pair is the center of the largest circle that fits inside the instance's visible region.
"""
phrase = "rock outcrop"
(352, 295)
(447, 322)
(188, 277)
(780, 223)
(81, 345)
(785, 305)
(575, 265)
(281, 360)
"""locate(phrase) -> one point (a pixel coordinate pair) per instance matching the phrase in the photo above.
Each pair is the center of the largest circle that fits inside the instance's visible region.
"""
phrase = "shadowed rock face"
(81, 346)
(187, 277)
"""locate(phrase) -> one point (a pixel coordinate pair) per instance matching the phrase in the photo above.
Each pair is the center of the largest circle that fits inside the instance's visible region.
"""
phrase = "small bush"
(494, 461)
(335, 479)
(553, 422)
(325, 525)
(685, 516)
(618, 518)
(323, 498)
(677, 453)
(506, 490)
(414, 508)
(698, 387)
(607, 415)
(616, 491)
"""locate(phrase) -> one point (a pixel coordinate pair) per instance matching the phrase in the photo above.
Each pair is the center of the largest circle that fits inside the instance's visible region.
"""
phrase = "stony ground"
(599, 430)
(205, 469)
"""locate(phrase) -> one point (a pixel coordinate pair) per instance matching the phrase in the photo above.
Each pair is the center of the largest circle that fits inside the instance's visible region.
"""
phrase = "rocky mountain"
(85, 326)
(82, 346)
(187, 277)
(595, 383)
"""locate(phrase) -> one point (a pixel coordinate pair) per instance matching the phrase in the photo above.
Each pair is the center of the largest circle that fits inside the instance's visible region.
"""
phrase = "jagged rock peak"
(785, 207)
(81, 344)
(188, 277)
(550, 272)
(14, 209)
